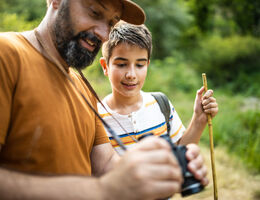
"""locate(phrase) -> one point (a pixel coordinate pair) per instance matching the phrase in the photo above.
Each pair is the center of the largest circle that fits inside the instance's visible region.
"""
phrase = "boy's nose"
(130, 74)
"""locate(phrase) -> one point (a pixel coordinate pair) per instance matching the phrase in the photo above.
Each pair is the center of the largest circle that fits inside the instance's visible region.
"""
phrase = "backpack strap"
(164, 105)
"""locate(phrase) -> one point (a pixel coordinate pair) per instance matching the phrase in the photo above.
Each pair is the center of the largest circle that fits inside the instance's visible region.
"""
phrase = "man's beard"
(68, 44)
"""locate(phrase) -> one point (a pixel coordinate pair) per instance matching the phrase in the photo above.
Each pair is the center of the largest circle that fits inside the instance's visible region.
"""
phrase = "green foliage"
(244, 13)
(167, 20)
(97, 79)
(13, 22)
(237, 128)
(231, 62)
(30, 10)
(203, 12)
(171, 74)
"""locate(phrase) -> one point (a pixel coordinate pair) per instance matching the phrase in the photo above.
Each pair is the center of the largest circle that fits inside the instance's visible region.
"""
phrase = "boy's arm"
(204, 104)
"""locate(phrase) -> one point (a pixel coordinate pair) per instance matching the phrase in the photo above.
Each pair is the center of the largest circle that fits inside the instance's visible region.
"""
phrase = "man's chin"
(79, 63)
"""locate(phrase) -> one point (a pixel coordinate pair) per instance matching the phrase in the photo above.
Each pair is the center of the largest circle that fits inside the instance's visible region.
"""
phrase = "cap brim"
(132, 13)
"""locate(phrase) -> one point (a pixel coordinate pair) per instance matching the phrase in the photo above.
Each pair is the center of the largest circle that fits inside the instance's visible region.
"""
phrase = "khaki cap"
(132, 13)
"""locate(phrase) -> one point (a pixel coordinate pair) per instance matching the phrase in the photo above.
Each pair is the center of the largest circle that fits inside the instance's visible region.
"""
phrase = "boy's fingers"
(205, 181)
(192, 151)
(208, 94)
(200, 91)
(212, 111)
(210, 105)
(208, 100)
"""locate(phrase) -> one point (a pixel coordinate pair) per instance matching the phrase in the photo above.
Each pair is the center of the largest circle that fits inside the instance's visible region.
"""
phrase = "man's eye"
(94, 13)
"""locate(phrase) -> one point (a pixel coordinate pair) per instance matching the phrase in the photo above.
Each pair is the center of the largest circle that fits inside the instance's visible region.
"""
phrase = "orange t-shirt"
(45, 125)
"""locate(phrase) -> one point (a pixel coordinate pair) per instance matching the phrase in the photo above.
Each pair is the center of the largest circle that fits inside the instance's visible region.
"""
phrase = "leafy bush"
(167, 26)
(30, 10)
(231, 62)
(13, 22)
(171, 74)
(237, 128)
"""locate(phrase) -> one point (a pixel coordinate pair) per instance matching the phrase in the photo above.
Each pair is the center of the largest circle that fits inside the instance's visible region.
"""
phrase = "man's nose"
(102, 31)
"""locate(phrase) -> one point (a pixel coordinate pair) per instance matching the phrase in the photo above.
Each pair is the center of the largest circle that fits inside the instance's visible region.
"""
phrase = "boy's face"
(127, 69)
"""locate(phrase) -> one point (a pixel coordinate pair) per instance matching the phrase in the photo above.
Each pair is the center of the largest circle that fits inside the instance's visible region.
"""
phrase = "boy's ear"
(148, 63)
(55, 3)
(103, 64)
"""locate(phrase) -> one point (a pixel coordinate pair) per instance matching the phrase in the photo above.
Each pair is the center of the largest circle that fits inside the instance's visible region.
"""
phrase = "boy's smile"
(127, 70)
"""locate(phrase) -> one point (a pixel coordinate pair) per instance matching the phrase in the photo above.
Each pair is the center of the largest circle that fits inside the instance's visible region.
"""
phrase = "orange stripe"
(150, 103)
(176, 131)
(105, 115)
(159, 131)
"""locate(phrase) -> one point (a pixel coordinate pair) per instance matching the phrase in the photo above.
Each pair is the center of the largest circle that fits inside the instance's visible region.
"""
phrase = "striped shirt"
(148, 119)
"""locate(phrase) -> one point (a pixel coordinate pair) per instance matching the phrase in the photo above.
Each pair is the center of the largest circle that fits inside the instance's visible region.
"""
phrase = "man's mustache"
(87, 35)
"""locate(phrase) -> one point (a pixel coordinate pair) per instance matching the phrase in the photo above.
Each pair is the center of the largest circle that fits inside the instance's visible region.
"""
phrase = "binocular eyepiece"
(190, 185)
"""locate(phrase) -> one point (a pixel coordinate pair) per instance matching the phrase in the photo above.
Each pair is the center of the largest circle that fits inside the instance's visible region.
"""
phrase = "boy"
(132, 112)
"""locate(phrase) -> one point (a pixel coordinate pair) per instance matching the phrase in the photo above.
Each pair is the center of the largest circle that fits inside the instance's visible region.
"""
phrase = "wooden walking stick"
(211, 144)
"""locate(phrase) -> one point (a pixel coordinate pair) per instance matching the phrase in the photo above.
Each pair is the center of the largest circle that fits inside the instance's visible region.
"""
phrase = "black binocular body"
(190, 185)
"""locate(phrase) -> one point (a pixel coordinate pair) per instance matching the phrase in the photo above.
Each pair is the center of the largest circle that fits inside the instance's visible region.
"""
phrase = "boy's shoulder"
(151, 95)
(101, 108)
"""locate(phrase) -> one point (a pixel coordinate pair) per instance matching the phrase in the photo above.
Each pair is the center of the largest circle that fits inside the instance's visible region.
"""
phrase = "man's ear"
(103, 64)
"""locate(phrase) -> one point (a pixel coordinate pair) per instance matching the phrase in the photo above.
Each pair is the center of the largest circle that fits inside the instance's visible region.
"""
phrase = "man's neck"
(48, 48)
(124, 105)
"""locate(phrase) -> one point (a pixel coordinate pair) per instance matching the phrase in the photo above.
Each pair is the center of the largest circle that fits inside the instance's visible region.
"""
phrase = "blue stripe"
(141, 132)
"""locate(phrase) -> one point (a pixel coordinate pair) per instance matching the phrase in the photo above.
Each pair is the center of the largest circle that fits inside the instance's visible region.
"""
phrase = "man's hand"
(204, 104)
(147, 171)
(195, 165)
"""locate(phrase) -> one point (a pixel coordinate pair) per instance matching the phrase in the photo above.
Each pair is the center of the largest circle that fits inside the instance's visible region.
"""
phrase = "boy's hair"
(48, 2)
(137, 35)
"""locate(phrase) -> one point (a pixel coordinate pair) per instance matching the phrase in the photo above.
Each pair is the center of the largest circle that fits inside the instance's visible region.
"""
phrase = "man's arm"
(103, 158)
(147, 171)
(137, 176)
(15, 185)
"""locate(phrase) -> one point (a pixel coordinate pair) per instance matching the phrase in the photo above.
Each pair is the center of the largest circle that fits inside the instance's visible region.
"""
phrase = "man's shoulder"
(8, 38)
(9, 43)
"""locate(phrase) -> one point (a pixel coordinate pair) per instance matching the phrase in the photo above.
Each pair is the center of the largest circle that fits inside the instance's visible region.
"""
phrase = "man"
(50, 140)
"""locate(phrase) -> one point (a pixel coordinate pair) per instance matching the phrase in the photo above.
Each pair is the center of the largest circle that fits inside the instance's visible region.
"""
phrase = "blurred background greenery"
(218, 37)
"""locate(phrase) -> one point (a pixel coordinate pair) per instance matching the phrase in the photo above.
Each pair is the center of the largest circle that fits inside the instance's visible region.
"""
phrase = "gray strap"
(164, 106)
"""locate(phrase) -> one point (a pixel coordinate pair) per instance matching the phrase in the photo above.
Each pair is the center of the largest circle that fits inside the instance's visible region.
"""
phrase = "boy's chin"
(130, 94)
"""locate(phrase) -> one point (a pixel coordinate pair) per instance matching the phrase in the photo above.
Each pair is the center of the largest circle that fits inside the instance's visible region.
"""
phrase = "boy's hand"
(196, 163)
(205, 104)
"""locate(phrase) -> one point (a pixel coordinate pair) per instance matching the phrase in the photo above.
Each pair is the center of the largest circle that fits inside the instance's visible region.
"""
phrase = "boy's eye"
(139, 65)
(121, 64)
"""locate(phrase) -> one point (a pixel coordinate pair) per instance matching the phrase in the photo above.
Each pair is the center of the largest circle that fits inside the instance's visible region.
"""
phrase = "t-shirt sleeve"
(177, 128)
(101, 135)
(8, 74)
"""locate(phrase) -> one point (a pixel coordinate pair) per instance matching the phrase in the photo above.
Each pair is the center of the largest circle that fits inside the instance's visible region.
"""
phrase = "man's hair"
(137, 35)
